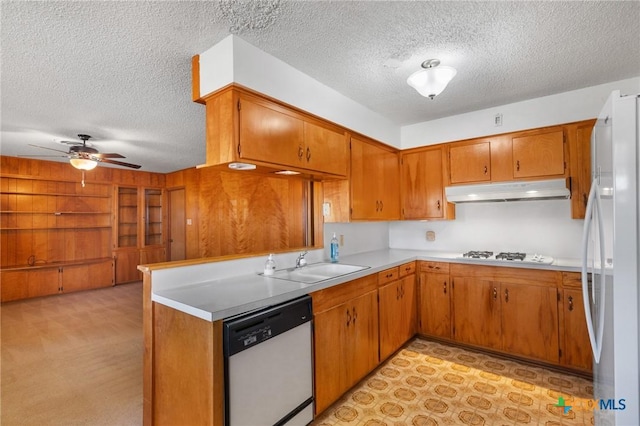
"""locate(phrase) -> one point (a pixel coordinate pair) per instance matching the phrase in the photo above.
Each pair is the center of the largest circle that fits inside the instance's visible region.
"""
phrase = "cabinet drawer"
(436, 267)
(333, 296)
(407, 269)
(388, 275)
(572, 279)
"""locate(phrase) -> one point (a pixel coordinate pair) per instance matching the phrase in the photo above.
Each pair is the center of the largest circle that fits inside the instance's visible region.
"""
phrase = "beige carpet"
(73, 359)
(429, 384)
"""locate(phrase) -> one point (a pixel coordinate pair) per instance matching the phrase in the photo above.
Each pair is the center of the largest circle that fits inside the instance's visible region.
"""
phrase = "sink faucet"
(301, 261)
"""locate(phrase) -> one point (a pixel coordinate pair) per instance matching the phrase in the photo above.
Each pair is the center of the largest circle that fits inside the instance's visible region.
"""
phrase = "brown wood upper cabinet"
(375, 179)
(470, 161)
(245, 127)
(540, 154)
(532, 154)
(423, 177)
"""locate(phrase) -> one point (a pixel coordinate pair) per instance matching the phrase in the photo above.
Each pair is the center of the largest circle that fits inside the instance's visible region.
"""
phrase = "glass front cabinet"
(139, 236)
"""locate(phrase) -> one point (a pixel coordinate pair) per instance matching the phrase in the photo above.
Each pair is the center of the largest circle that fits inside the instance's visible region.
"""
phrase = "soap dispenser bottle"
(334, 248)
(270, 265)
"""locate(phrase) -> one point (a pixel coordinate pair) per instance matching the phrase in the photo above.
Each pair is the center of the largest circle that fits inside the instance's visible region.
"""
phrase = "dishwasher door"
(269, 366)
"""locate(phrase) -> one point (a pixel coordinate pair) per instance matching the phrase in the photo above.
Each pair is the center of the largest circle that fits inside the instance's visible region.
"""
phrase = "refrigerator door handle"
(596, 340)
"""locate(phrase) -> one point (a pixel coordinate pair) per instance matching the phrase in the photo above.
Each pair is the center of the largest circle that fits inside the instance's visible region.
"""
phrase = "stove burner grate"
(510, 256)
(478, 254)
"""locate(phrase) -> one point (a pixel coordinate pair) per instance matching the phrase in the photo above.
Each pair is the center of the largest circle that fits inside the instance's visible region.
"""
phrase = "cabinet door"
(539, 155)
(422, 185)
(470, 162)
(127, 262)
(375, 177)
(435, 307)
(362, 341)
(33, 283)
(576, 347)
(269, 134)
(476, 311)
(389, 185)
(326, 150)
(530, 321)
(84, 277)
(330, 328)
(579, 137)
(152, 218)
(127, 219)
(365, 200)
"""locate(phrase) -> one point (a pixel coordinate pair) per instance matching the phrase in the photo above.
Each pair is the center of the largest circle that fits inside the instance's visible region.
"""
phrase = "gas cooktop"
(507, 257)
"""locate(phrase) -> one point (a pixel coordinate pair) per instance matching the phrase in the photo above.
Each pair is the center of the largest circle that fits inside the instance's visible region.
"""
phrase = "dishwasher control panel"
(248, 330)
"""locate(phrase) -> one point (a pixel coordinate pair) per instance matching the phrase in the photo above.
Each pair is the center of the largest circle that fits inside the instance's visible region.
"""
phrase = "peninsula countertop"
(219, 298)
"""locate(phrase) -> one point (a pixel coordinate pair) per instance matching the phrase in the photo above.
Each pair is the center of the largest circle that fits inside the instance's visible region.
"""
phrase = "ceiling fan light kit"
(432, 79)
(83, 163)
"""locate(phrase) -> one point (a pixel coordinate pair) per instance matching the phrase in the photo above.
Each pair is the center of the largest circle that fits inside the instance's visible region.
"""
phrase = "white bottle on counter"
(270, 265)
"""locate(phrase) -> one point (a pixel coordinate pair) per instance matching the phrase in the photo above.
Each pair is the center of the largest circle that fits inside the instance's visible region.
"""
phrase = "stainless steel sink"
(316, 272)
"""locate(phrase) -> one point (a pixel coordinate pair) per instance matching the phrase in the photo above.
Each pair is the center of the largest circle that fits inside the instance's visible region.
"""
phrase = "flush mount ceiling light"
(432, 79)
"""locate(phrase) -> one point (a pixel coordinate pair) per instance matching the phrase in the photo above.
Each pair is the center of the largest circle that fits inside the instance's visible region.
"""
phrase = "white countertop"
(217, 299)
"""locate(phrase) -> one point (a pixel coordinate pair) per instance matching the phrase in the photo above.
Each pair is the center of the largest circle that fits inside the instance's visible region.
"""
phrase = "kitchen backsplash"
(543, 227)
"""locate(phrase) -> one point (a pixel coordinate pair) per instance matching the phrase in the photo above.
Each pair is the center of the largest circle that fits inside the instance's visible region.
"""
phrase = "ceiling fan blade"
(39, 156)
(108, 155)
(118, 163)
(50, 149)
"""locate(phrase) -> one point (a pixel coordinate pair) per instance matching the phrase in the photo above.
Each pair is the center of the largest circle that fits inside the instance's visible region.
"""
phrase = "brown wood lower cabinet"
(512, 310)
(397, 309)
(434, 307)
(24, 283)
(574, 338)
(346, 337)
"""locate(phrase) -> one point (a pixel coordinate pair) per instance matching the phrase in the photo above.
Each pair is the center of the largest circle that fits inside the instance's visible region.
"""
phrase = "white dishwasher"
(269, 366)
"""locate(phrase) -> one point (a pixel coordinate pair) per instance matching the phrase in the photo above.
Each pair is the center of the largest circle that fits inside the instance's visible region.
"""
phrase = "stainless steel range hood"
(552, 189)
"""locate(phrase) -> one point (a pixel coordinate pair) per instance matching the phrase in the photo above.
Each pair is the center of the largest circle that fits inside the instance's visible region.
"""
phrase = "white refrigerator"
(610, 269)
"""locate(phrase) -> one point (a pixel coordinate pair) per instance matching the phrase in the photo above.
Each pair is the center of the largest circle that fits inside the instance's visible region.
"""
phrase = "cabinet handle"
(571, 303)
(377, 205)
(485, 170)
(495, 293)
(433, 267)
(355, 315)
(401, 291)
(444, 287)
(381, 205)
(397, 293)
(348, 317)
(300, 152)
(506, 295)
(518, 165)
(438, 204)
(308, 153)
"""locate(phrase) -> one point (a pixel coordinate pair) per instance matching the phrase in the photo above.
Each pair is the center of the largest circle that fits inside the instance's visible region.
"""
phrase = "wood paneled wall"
(49, 217)
(241, 213)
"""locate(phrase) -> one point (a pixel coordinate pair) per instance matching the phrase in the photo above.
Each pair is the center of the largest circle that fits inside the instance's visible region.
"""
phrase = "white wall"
(358, 237)
(257, 70)
(560, 108)
(543, 227)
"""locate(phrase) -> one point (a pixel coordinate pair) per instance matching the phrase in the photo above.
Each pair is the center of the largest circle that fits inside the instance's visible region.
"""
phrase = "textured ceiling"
(121, 70)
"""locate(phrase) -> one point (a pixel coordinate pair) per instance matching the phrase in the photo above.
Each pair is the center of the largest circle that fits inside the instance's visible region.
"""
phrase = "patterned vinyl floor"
(429, 384)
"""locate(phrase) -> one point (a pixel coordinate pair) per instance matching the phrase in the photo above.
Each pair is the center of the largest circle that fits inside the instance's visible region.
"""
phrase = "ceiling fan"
(84, 157)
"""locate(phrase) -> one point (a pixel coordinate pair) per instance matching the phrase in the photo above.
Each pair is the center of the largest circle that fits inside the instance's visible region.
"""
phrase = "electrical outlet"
(497, 120)
(326, 209)
(431, 236)
(341, 240)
